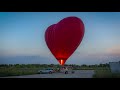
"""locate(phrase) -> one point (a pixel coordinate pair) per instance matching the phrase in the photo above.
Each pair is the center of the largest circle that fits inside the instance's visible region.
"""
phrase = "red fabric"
(64, 37)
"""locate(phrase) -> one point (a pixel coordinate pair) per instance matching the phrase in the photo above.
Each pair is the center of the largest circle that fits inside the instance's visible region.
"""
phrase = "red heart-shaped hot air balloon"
(64, 37)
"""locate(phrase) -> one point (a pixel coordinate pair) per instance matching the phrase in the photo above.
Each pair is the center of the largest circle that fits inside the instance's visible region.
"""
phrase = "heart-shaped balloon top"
(64, 37)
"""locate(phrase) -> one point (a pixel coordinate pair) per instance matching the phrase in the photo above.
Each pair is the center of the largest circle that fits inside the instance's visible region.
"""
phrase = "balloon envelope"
(64, 37)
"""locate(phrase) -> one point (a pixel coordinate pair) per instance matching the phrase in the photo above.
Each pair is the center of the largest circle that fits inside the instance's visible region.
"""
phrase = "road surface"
(77, 74)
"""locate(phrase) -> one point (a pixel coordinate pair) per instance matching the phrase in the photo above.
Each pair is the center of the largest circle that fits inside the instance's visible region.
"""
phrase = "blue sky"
(22, 33)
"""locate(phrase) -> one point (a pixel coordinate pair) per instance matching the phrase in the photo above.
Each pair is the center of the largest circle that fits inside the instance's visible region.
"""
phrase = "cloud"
(25, 51)
(114, 50)
(26, 60)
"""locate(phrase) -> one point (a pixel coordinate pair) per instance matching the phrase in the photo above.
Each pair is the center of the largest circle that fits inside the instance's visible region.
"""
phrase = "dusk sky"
(22, 34)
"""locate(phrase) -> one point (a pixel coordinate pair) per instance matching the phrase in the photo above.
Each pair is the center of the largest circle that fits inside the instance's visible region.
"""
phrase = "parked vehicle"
(47, 71)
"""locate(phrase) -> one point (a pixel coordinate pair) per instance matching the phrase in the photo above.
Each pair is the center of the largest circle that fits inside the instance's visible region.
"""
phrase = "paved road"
(77, 74)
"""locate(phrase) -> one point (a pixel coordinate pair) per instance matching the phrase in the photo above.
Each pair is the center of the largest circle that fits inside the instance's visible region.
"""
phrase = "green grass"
(17, 71)
(102, 72)
(105, 73)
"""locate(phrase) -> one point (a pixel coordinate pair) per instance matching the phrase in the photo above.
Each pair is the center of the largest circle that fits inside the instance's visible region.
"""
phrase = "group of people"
(64, 68)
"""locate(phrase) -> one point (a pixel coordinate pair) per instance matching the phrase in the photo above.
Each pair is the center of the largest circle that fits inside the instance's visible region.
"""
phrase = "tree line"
(50, 65)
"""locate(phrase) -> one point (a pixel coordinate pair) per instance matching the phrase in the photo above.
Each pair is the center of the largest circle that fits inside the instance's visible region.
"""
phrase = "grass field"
(105, 73)
(17, 70)
(102, 72)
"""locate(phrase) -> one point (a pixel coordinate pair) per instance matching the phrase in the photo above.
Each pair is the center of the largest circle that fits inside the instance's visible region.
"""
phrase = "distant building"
(115, 67)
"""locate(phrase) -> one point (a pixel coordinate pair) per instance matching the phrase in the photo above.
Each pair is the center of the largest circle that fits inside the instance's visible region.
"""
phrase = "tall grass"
(17, 71)
(105, 73)
(20, 69)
